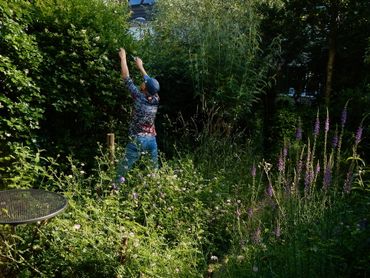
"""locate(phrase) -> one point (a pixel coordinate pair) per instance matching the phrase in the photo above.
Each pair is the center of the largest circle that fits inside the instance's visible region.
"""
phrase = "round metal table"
(21, 206)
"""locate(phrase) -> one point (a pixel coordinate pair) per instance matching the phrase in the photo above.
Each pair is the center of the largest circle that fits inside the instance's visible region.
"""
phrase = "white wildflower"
(214, 258)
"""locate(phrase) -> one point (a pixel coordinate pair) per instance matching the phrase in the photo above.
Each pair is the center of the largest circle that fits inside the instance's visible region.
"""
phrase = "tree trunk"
(330, 70)
(333, 27)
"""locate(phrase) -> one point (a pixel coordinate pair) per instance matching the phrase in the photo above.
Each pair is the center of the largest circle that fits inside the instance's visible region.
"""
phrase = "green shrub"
(211, 50)
(80, 77)
(21, 103)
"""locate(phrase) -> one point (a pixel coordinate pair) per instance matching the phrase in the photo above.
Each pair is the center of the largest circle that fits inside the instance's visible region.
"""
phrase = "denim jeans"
(134, 149)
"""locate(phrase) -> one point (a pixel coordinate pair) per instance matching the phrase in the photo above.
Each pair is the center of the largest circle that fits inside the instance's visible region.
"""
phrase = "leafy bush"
(80, 78)
(21, 104)
(212, 47)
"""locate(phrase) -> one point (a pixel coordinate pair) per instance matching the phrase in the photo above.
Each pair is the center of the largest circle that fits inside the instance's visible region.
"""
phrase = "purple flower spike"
(135, 195)
(318, 167)
(298, 134)
(327, 124)
(335, 141)
(253, 170)
(281, 164)
(308, 179)
(257, 236)
(317, 126)
(299, 168)
(358, 135)
(277, 231)
(269, 190)
(327, 177)
(344, 116)
(250, 212)
(285, 151)
(348, 183)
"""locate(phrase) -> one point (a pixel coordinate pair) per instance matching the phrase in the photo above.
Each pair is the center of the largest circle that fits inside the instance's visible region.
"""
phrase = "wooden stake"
(110, 143)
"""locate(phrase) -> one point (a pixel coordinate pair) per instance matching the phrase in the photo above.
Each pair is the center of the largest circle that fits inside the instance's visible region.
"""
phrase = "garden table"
(23, 206)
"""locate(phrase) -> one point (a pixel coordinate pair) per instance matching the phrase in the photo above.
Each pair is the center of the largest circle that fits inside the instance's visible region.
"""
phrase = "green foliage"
(286, 119)
(329, 242)
(216, 209)
(153, 226)
(215, 47)
(20, 99)
(79, 73)
(59, 67)
(24, 169)
(21, 104)
(107, 18)
(367, 56)
(302, 215)
(306, 27)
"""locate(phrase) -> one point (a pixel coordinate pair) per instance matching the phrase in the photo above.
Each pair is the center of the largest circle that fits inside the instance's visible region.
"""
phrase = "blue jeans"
(134, 149)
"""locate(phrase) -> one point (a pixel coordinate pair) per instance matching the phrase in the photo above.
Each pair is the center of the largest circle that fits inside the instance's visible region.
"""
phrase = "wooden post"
(110, 143)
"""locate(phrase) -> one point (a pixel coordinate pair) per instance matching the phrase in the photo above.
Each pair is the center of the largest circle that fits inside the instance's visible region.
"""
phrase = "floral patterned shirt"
(144, 111)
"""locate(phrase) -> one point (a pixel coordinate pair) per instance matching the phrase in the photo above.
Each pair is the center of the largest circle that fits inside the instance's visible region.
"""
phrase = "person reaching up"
(142, 132)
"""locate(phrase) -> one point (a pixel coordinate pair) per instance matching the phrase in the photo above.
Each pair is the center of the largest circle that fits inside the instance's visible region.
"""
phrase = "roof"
(141, 8)
(141, 2)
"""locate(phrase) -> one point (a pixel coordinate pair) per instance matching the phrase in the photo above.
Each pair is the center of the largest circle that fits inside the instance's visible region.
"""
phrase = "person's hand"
(122, 53)
(139, 63)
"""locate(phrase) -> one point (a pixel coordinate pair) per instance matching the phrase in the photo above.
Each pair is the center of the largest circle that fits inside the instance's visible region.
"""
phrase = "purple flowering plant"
(358, 135)
(334, 141)
(316, 130)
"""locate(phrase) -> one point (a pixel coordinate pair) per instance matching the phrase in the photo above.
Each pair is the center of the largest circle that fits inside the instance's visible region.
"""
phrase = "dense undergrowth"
(219, 209)
(217, 206)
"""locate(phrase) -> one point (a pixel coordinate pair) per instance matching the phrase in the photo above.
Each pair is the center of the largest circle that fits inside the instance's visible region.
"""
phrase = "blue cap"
(152, 85)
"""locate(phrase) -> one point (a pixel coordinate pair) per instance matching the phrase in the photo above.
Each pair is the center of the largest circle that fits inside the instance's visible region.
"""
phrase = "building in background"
(142, 13)
(141, 8)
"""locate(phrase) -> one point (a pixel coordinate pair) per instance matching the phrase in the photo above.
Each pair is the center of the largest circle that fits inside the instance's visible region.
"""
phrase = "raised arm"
(124, 68)
(139, 65)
